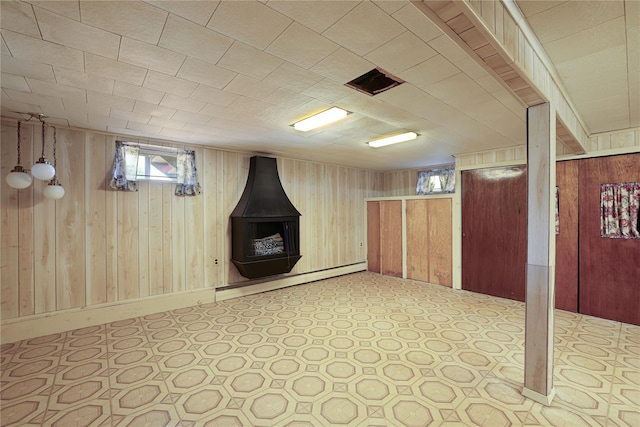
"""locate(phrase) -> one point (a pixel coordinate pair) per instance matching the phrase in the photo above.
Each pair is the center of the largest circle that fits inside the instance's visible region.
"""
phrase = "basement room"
(320, 213)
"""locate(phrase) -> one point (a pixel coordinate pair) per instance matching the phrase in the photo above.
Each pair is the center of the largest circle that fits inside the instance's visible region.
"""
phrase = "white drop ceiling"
(236, 74)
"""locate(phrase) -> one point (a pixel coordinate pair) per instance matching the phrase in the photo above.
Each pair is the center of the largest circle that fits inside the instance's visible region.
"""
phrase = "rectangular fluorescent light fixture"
(327, 116)
(407, 136)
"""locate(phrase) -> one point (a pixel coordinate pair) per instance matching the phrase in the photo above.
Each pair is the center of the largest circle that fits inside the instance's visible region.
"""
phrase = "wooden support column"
(540, 283)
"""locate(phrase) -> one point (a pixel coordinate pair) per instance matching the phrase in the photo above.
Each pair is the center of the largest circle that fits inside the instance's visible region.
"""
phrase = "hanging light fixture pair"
(42, 169)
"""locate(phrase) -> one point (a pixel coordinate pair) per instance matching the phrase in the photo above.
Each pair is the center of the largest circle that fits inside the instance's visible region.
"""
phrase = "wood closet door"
(391, 238)
(429, 241)
(494, 231)
(373, 236)
(609, 268)
(567, 240)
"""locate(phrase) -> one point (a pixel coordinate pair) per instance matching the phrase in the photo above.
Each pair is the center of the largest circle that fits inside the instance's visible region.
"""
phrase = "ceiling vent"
(374, 82)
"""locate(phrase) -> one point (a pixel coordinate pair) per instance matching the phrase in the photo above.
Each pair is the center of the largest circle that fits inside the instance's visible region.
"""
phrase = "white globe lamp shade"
(54, 190)
(43, 170)
(18, 178)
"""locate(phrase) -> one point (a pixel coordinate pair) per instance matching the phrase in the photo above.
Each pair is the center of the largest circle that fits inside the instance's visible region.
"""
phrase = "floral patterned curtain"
(557, 210)
(620, 204)
(125, 164)
(188, 184)
(427, 181)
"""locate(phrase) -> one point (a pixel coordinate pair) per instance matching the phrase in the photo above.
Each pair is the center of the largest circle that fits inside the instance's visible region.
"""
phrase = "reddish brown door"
(494, 231)
(609, 268)
(391, 238)
(567, 239)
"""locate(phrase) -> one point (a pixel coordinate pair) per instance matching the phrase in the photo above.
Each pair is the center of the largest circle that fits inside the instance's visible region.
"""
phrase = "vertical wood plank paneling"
(111, 225)
(440, 241)
(194, 238)
(167, 250)
(207, 175)
(418, 240)
(9, 242)
(95, 219)
(156, 243)
(313, 230)
(391, 238)
(231, 197)
(70, 233)
(302, 200)
(44, 249)
(26, 230)
(373, 236)
(221, 243)
(330, 239)
(143, 238)
(179, 257)
(127, 245)
(341, 234)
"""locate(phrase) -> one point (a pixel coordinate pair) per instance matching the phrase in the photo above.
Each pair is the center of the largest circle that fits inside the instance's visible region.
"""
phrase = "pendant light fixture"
(54, 190)
(19, 178)
(42, 169)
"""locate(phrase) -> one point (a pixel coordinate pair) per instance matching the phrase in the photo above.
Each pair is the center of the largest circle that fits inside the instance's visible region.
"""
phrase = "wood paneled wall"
(97, 246)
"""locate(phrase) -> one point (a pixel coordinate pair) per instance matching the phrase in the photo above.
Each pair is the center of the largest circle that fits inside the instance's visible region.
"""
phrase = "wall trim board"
(405, 198)
(285, 282)
(23, 328)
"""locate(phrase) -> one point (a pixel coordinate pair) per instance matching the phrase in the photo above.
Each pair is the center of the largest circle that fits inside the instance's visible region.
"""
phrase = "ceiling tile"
(286, 97)
(248, 60)
(130, 115)
(58, 90)
(401, 53)
(252, 88)
(42, 51)
(342, 66)
(328, 91)
(65, 31)
(201, 72)
(100, 100)
(214, 96)
(572, 17)
(70, 9)
(417, 23)
(105, 67)
(180, 103)
(27, 68)
(390, 6)
(136, 20)
(592, 40)
(3, 47)
(430, 71)
(45, 102)
(448, 48)
(18, 16)
(317, 15)
(127, 90)
(11, 81)
(169, 84)
(196, 11)
(248, 21)
(187, 116)
(83, 80)
(301, 46)
(459, 91)
(167, 123)
(153, 110)
(149, 56)
(293, 77)
(471, 68)
(532, 7)
(180, 35)
(375, 28)
(144, 128)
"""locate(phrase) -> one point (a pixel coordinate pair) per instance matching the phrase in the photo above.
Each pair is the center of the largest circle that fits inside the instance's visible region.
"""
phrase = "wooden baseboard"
(23, 328)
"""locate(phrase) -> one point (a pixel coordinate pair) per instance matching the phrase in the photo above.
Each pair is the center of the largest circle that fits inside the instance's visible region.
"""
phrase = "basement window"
(436, 181)
(155, 163)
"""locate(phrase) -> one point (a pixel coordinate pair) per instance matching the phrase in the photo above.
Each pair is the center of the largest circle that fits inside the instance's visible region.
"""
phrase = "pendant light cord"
(43, 130)
(19, 128)
(55, 141)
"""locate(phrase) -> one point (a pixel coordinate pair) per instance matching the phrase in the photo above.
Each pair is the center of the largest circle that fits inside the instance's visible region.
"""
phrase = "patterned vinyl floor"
(357, 350)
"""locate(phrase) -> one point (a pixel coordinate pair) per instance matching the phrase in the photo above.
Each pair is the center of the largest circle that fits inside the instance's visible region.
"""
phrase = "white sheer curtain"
(125, 165)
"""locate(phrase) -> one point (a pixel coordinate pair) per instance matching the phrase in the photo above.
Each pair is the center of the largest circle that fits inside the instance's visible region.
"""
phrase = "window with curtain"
(134, 162)
(436, 181)
(620, 203)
